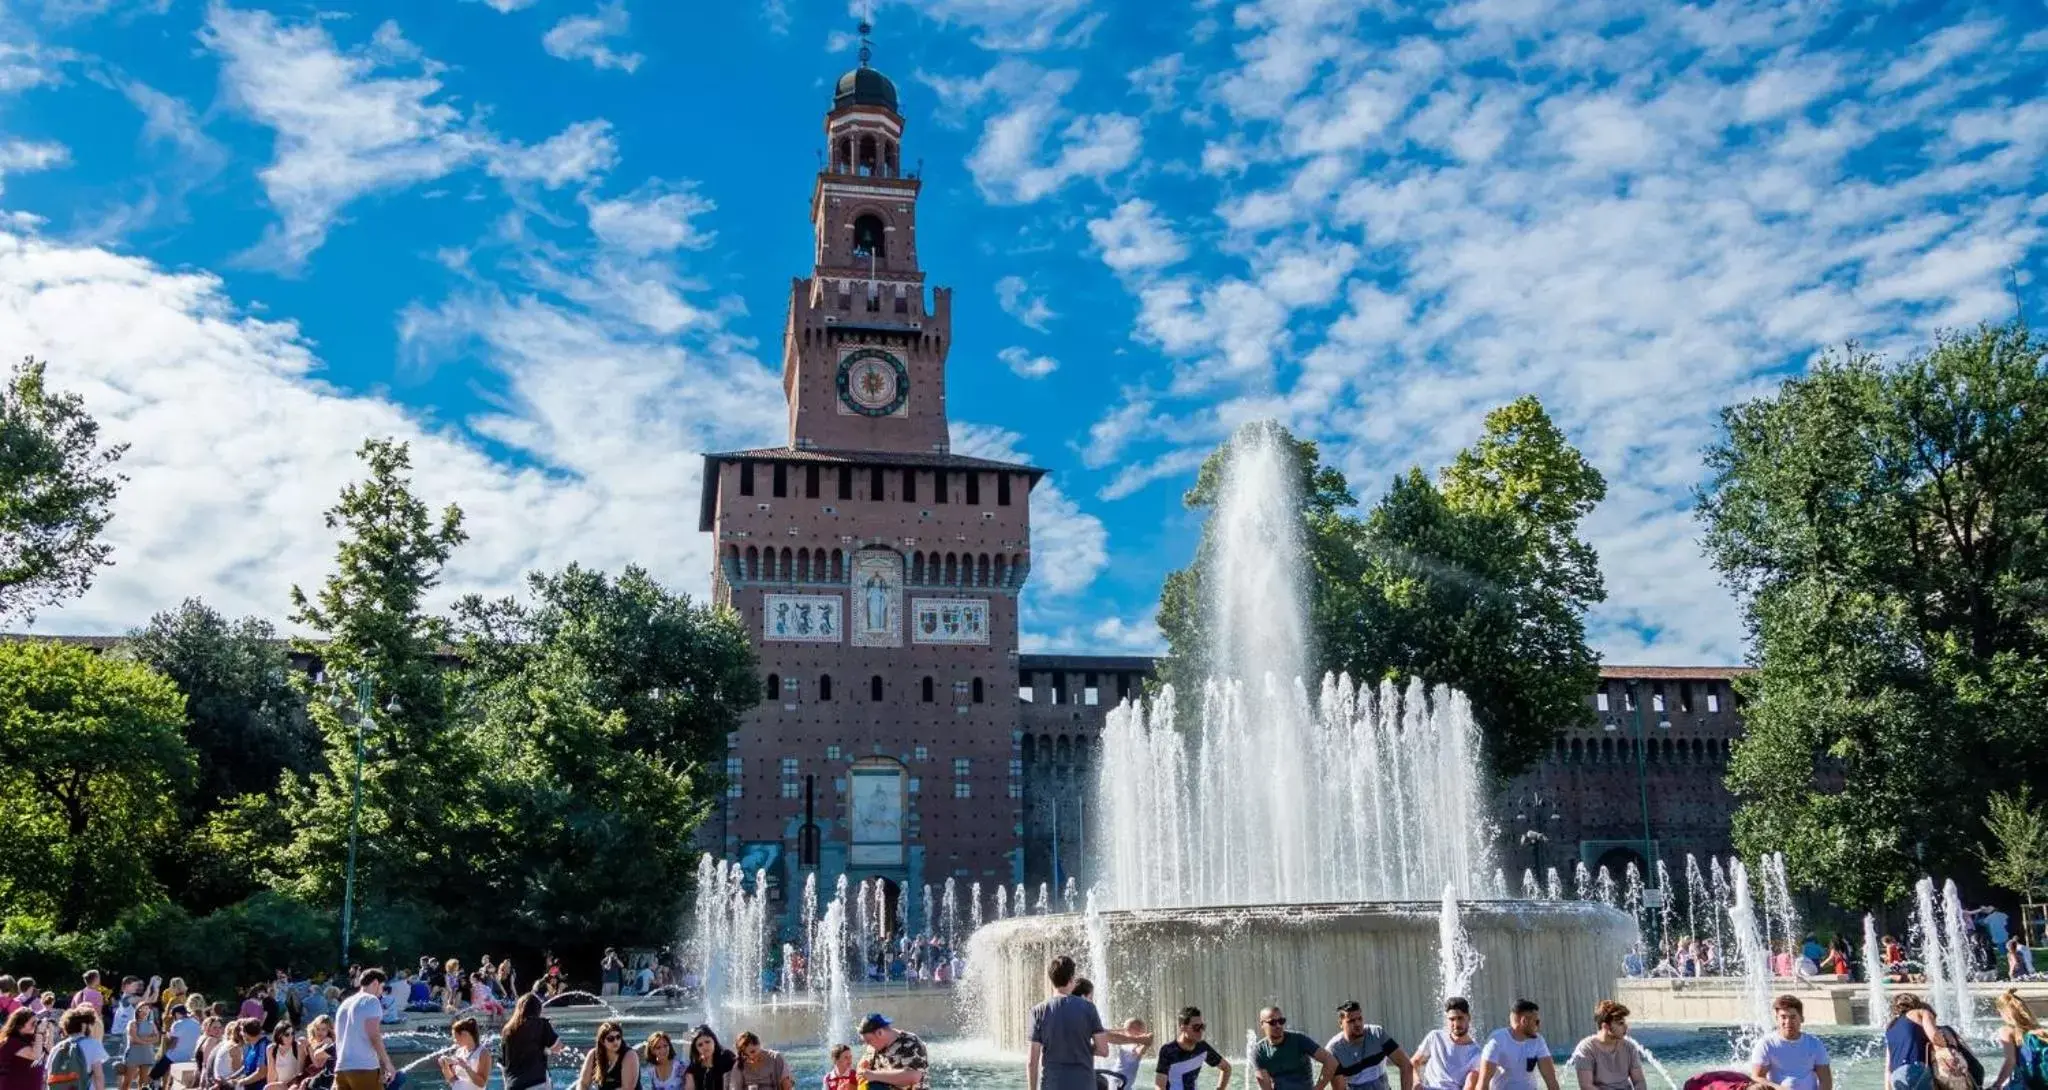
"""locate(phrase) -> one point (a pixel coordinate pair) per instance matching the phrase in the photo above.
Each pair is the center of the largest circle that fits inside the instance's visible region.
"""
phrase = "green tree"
(2016, 856)
(1885, 525)
(1480, 581)
(91, 760)
(56, 485)
(419, 773)
(680, 674)
(243, 717)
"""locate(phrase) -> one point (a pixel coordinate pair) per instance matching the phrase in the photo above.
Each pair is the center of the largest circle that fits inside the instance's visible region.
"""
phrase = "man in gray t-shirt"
(1362, 1051)
(1066, 1030)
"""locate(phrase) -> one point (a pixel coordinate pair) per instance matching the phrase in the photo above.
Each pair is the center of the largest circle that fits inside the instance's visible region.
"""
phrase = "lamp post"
(365, 688)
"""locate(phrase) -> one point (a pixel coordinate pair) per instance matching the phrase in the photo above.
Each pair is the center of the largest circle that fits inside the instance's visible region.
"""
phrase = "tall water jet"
(1582, 882)
(1553, 886)
(949, 907)
(1778, 899)
(974, 897)
(1530, 890)
(1044, 898)
(1719, 889)
(1874, 974)
(1926, 934)
(1071, 894)
(1956, 933)
(1456, 960)
(1667, 903)
(926, 901)
(1756, 960)
(1695, 892)
(1603, 888)
(830, 964)
(1271, 833)
(1002, 902)
(1017, 901)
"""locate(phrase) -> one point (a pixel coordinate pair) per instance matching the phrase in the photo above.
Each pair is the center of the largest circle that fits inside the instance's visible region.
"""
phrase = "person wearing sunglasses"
(610, 1065)
(1283, 1058)
(1182, 1058)
(1517, 1053)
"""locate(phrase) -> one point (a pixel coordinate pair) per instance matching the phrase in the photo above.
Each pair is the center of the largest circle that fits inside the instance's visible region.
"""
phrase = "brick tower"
(878, 573)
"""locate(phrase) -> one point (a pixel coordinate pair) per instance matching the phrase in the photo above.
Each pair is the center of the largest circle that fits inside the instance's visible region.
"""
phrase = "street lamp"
(365, 688)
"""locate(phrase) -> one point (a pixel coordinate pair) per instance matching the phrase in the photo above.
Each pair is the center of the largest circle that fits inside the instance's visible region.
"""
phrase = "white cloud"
(1069, 547)
(588, 38)
(1032, 145)
(1011, 25)
(1136, 238)
(652, 219)
(343, 130)
(578, 153)
(1014, 295)
(1639, 224)
(507, 7)
(1023, 364)
(170, 120)
(21, 156)
(239, 441)
(1158, 80)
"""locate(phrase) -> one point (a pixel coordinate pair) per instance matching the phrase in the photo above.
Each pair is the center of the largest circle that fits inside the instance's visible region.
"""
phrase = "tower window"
(781, 480)
(973, 488)
(1002, 490)
(1713, 701)
(978, 692)
(875, 688)
(746, 478)
(941, 484)
(910, 486)
(1600, 699)
(824, 686)
(875, 485)
(774, 687)
(845, 482)
(926, 689)
(811, 482)
(868, 237)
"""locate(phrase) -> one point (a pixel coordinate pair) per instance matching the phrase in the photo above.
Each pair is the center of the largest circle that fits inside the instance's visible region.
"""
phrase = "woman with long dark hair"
(527, 1039)
(609, 1065)
(665, 1070)
(709, 1060)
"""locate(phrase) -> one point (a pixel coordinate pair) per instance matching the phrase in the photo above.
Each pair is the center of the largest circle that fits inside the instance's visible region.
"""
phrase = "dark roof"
(1674, 673)
(708, 502)
(864, 87)
(1087, 663)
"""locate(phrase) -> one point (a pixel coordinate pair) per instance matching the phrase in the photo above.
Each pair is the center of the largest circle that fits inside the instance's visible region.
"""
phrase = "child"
(1128, 1056)
(842, 1076)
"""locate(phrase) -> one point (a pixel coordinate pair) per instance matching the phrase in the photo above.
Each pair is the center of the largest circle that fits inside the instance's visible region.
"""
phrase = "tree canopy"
(57, 484)
(1478, 580)
(1886, 523)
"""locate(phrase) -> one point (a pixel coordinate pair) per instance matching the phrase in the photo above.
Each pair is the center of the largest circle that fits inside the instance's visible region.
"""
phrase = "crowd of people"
(1071, 1048)
(1995, 952)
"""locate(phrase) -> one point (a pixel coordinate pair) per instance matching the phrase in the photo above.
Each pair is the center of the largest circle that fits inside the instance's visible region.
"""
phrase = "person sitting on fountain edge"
(1788, 1057)
(1182, 1058)
(1448, 1056)
(1362, 1052)
(1515, 1055)
(1281, 1061)
(893, 1057)
(1609, 1059)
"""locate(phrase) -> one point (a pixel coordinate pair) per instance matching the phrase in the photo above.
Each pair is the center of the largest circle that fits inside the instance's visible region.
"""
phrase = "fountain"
(1934, 967)
(1263, 839)
(1456, 960)
(1873, 975)
(1756, 959)
(1956, 935)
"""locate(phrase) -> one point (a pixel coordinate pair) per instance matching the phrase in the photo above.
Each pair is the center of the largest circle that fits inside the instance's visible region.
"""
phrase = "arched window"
(952, 569)
(1030, 748)
(917, 567)
(788, 564)
(869, 161)
(752, 568)
(869, 240)
(838, 565)
(824, 686)
(875, 688)
(1002, 569)
(925, 687)
(978, 697)
(981, 571)
(774, 687)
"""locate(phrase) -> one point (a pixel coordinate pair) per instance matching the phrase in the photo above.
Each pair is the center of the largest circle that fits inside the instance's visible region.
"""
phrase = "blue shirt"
(1904, 1043)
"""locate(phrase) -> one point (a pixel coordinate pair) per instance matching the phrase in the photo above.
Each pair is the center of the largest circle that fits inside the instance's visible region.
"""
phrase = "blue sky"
(549, 242)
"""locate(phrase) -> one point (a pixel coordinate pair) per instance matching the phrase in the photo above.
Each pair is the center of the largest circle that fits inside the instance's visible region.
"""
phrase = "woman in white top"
(467, 1063)
(664, 1070)
(287, 1059)
(224, 1063)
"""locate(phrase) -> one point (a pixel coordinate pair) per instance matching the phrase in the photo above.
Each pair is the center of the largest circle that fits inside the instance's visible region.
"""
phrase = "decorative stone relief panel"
(878, 598)
(802, 618)
(949, 620)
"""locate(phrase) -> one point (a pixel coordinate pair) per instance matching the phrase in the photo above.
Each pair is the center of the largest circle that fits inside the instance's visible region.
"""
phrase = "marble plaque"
(802, 618)
(949, 620)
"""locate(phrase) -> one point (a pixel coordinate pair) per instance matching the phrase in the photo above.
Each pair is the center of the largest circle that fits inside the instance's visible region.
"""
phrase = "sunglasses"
(1197, 1027)
(613, 1037)
(1273, 1021)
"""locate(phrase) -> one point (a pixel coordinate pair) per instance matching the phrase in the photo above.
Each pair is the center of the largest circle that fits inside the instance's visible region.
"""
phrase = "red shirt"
(837, 1081)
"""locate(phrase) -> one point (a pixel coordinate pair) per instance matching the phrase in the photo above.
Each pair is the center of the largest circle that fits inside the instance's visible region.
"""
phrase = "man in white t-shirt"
(1514, 1056)
(1791, 1058)
(360, 1062)
(1448, 1056)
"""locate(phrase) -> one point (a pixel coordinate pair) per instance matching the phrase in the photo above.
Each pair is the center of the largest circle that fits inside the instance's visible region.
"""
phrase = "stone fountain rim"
(1306, 911)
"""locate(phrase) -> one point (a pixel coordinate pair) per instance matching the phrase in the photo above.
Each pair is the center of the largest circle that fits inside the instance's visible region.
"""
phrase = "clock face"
(873, 382)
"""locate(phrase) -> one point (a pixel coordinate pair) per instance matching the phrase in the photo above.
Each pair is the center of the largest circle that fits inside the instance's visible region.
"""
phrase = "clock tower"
(877, 572)
(863, 357)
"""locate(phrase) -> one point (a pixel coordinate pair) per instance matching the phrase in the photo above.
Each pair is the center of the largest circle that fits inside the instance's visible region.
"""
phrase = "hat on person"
(1349, 1006)
(874, 1021)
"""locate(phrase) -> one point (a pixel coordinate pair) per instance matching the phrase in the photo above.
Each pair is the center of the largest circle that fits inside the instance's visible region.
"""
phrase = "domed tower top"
(864, 86)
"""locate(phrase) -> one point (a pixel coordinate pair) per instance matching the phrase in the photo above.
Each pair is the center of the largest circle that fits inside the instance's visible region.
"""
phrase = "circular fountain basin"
(1306, 959)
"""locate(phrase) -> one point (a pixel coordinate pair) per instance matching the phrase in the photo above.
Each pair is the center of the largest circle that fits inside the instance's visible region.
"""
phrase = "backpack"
(67, 1065)
(1955, 1067)
(2031, 1068)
